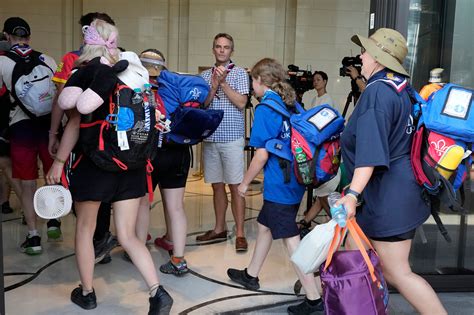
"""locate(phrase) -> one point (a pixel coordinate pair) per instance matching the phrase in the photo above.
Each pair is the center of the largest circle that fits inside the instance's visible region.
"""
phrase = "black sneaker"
(87, 302)
(6, 207)
(304, 308)
(107, 259)
(32, 245)
(104, 246)
(127, 258)
(54, 230)
(240, 277)
(161, 303)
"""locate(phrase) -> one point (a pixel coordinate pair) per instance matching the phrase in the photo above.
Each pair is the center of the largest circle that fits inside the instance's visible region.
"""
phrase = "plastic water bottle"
(150, 95)
(303, 166)
(338, 213)
(137, 97)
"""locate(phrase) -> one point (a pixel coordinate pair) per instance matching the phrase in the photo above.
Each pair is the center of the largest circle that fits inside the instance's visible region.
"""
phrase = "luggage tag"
(162, 123)
(122, 140)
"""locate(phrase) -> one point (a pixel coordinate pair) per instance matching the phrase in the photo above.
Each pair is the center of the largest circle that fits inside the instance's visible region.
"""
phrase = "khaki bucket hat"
(387, 46)
(436, 75)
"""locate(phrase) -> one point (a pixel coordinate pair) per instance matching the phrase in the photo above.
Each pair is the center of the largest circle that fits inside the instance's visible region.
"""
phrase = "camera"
(300, 80)
(356, 62)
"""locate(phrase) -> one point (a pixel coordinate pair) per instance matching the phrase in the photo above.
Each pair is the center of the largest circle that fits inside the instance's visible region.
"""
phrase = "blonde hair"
(272, 75)
(90, 52)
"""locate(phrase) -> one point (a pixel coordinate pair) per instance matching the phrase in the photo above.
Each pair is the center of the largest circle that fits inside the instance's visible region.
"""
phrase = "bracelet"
(53, 133)
(353, 197)
(59, 160)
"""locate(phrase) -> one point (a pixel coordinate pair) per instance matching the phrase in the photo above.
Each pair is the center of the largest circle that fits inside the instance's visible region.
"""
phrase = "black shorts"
(171, 166)
(396, 238)
(90, 183)
(279, 218)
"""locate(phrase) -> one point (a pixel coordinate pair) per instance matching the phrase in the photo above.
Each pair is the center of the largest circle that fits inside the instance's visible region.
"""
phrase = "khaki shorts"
(223, 162)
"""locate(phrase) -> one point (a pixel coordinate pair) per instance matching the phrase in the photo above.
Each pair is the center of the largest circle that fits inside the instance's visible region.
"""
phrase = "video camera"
(356, 62)
(300, 80)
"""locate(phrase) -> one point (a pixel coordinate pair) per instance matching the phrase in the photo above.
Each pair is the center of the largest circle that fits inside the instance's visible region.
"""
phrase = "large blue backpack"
(442, 144)
(317, 132)
(182, 96)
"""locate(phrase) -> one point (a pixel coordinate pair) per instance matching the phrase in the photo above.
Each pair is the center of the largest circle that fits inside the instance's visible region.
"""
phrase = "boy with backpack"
(27, 75)
(281, 197)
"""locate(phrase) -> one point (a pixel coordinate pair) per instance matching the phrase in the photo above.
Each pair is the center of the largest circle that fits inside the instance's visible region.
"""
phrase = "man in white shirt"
(320, 80)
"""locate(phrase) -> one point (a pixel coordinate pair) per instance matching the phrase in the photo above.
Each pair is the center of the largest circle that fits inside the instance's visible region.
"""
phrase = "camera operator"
(353, 72)
(320, 81)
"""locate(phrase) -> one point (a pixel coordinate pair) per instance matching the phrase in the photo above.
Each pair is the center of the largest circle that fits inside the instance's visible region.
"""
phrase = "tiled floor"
(42, 284)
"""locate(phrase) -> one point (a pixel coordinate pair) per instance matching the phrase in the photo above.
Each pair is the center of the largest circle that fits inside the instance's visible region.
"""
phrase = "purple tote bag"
(352, 280)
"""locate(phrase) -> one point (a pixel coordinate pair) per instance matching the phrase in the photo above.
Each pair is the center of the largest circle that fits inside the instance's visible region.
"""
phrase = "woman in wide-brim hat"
(376, 146)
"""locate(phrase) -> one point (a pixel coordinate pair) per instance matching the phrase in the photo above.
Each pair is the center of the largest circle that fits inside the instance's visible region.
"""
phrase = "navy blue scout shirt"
(379, 134)
(269, 124)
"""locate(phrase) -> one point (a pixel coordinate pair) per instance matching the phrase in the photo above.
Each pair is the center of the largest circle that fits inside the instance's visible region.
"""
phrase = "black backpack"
(121, 136)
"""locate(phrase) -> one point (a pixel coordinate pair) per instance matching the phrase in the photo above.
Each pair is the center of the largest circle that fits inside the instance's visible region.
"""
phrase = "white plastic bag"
(314, 247)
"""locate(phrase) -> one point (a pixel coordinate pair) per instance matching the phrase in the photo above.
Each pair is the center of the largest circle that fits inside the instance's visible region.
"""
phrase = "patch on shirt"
(323, 118)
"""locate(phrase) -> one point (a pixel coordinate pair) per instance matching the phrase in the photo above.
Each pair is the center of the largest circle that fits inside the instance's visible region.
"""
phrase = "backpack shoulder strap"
(277, 106)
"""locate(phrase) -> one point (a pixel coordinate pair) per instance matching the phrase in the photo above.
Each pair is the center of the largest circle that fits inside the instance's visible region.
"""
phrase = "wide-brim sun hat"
(387, 46)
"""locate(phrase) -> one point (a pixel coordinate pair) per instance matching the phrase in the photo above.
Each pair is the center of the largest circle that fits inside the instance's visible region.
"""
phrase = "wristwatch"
(359, 77)
(349, 191)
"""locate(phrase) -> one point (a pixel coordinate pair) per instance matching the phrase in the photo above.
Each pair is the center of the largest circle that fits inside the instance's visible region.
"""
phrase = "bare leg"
(220, 206)
(169, 228)
(313, 211)
(397, 271)
(85, 226)
(238, 209)
(6, 166)
(125, 217)
(4, 189)
(28, 188)
(307, 281)
(262, 246)
(143, 219)
(175, 210)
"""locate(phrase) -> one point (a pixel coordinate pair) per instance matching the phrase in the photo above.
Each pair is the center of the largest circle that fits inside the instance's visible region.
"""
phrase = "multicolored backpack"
(442, 144)
(316, 131)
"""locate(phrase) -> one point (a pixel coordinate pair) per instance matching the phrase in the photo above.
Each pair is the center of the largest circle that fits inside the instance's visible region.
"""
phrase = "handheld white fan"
(52, 201)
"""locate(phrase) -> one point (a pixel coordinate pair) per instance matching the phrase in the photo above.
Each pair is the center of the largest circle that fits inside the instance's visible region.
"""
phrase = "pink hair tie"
(92, 37)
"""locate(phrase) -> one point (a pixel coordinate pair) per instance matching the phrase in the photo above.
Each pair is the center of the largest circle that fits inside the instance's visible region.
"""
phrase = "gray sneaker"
(104, 246)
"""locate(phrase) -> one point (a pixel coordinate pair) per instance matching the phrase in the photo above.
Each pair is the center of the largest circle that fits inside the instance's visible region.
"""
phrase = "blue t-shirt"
(379, 133)
(269, 124)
